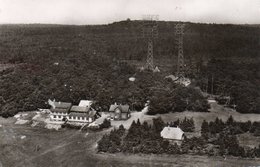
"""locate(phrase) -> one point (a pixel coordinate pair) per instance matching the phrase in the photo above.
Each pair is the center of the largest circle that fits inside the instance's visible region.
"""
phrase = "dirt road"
(65, 148)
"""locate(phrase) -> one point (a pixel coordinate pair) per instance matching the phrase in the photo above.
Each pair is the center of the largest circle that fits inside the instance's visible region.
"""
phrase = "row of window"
(78, 118)
(54, 116)
(71, 117)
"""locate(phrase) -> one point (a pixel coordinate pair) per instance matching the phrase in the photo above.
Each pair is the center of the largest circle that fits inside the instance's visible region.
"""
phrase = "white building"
(81, 114)
(59, 110)
(174, 134)
(62, 111)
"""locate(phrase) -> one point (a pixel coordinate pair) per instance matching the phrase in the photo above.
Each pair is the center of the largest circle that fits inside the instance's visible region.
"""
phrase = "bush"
(178, 100)
(106, 124)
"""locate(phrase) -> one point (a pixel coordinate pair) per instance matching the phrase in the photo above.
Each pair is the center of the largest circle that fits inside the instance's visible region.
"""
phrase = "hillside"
(70, 63)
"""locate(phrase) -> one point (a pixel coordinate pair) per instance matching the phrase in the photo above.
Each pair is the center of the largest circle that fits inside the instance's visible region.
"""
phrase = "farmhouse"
(173, 134)
(119, 112)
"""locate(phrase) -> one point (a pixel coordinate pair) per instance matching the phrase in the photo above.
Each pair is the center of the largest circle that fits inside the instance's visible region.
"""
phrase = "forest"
(70, 63)
(218, 138)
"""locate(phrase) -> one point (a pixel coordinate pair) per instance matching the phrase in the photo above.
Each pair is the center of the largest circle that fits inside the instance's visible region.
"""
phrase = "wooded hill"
(70, 63)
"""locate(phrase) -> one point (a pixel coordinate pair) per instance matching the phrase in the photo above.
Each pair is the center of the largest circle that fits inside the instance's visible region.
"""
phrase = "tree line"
(145, 138)
(81, 57)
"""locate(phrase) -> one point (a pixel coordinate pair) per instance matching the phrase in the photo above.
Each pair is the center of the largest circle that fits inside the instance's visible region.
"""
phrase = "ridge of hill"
(91, 59)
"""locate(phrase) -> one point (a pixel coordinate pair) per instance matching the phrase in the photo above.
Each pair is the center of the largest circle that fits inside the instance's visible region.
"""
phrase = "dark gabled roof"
(76, 114)
(123, 108)
(79, 109)
(62, 105)
(60, 110)
(89, 114)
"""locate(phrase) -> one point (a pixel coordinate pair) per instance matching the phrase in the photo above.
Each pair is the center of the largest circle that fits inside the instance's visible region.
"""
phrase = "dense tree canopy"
(70, 63)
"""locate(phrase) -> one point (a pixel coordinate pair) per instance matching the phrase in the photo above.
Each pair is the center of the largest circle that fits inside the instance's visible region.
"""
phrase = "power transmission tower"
(150, 31)
(179, 32)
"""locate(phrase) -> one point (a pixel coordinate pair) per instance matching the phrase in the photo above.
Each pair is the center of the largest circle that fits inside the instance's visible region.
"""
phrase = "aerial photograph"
(129, 83)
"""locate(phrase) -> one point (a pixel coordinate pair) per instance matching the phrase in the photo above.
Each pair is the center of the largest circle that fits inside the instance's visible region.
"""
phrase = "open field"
(215, 111)
(43, 147)
(26, 146)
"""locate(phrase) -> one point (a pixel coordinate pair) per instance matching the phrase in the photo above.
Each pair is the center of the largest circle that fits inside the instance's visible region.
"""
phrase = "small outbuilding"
(119, 112)
(173, 134)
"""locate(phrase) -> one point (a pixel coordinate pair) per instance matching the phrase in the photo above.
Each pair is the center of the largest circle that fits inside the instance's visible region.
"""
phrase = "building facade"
(62, 111)
(172, 134)
(81, 114)
(119, 112)
(59, 110)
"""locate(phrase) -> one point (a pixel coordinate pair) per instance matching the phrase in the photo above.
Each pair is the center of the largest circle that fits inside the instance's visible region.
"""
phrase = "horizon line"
(100, 24)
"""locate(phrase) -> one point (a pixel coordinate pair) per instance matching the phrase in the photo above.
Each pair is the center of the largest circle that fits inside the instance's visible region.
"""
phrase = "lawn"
(215, 111)
(26, 146)
(43, 147)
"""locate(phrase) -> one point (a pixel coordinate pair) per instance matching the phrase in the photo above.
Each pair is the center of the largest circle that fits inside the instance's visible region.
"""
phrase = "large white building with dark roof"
(62, 111)
(59, 110)
(81, 114)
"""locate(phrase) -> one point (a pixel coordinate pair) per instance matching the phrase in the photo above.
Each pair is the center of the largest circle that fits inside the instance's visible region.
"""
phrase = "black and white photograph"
(129, 83)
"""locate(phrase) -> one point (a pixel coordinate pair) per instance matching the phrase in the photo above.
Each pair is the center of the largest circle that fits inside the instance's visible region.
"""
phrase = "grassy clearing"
(43, 147)
(75, 148)
(215, 111)
(175, 161)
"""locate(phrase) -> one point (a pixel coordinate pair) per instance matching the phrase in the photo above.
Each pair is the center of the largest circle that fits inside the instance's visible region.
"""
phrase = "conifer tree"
(204, 127)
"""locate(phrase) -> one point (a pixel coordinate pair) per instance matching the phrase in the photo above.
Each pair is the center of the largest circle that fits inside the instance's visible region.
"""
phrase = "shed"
(172, 133)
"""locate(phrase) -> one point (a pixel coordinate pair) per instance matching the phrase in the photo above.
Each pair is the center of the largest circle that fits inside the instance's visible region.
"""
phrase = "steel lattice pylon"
(149, 59)
(150, 31)
(179, 31)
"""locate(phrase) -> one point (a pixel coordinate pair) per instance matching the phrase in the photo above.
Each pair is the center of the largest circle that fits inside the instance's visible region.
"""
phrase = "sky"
(83, 12)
